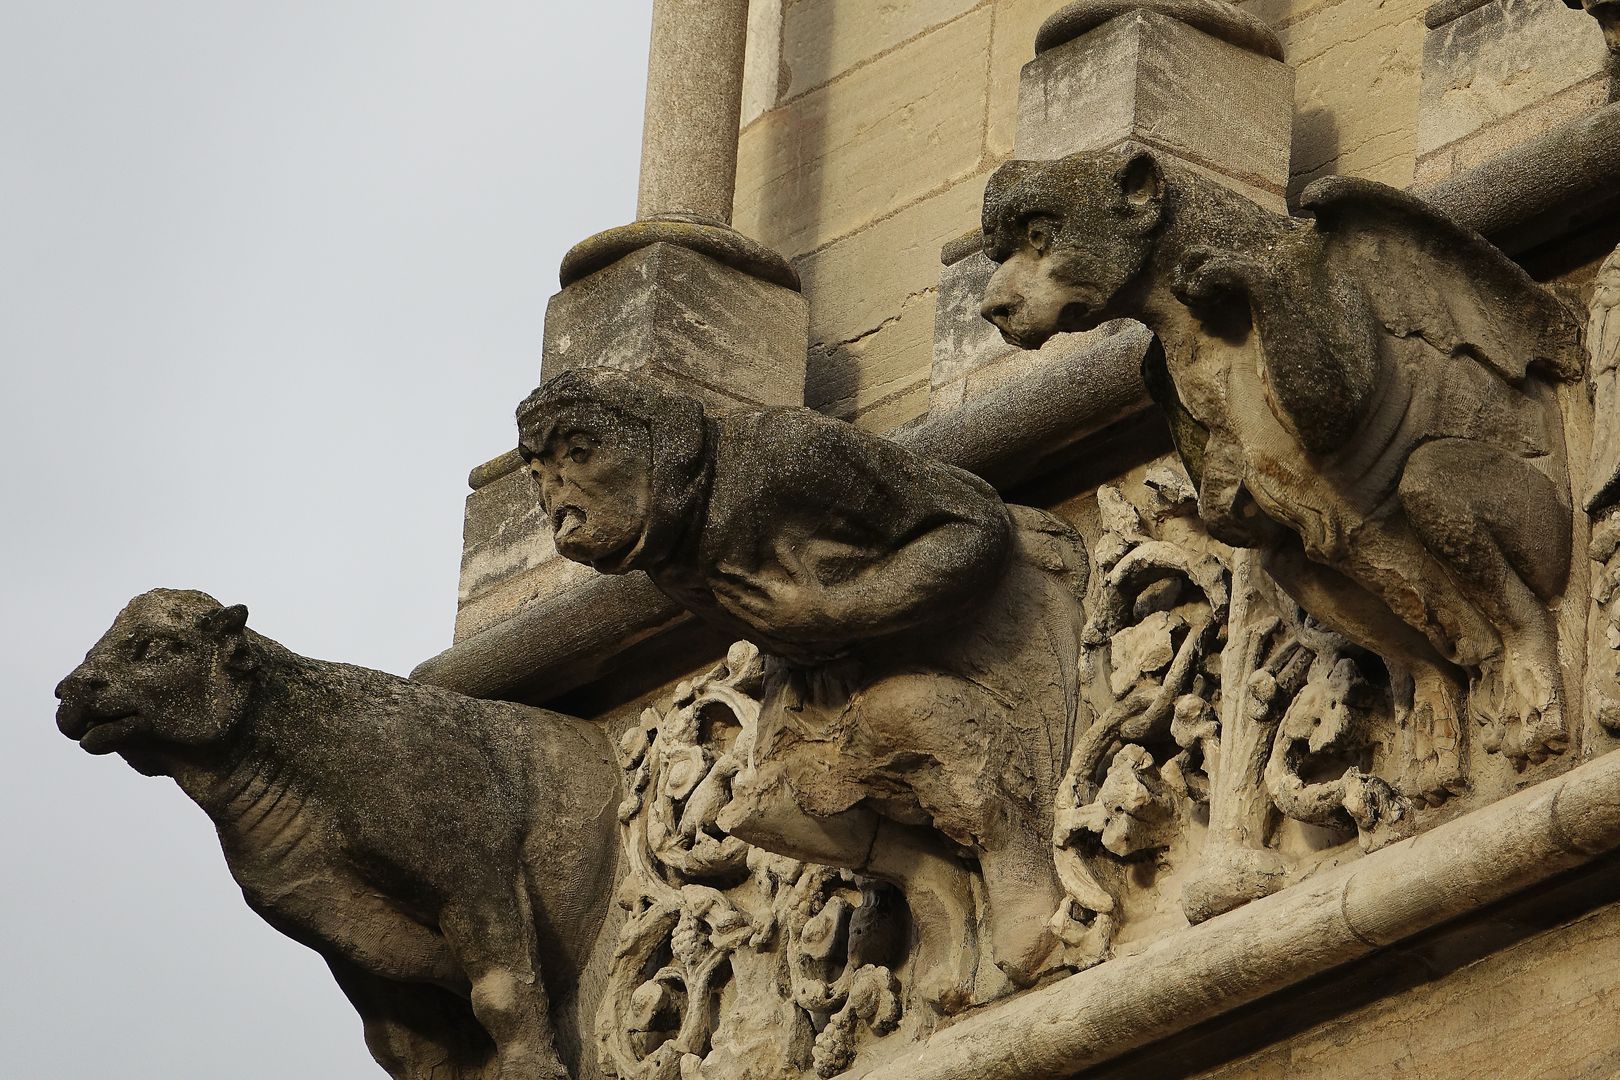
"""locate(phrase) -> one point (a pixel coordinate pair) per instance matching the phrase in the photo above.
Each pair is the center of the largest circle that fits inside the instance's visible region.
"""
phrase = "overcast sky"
(272, 278)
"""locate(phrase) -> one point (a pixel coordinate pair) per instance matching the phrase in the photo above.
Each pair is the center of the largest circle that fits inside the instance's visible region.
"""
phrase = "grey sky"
(272, 277)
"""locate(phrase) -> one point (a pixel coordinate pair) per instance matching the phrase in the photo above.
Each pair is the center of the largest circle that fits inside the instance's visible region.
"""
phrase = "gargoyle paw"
(1207, 276)
(1523, 711)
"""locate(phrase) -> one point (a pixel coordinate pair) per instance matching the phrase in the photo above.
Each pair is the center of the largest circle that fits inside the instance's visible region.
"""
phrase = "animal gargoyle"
(1366, 394)
(449, 858)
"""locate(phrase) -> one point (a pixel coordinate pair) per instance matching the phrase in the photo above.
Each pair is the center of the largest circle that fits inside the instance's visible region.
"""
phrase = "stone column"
(694, 101)
(679, 293)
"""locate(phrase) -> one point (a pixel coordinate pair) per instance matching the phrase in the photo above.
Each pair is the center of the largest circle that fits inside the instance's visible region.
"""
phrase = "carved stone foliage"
(1365, 397)
(445, 856)
(733, 962)
(1220, 711)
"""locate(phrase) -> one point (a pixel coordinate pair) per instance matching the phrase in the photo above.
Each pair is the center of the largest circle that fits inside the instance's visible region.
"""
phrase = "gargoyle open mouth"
(77, 721)
(565, 520)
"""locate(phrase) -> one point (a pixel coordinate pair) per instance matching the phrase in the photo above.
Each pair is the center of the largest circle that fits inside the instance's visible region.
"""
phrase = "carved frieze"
(733, 962)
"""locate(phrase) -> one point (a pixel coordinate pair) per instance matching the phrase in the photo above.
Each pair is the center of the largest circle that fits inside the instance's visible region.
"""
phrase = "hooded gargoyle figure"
(919, 635)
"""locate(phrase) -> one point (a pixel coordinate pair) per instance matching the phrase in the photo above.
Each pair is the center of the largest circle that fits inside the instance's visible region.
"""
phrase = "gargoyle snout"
(1000, 303)
(79, 686)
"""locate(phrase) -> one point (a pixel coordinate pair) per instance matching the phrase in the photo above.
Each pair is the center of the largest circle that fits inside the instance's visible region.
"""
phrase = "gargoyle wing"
(1428, 277)
(1603, 342)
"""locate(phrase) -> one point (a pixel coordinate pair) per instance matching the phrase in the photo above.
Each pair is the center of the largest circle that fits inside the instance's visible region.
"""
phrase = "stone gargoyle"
(446, 856)
(920, 640)
(1365, 394)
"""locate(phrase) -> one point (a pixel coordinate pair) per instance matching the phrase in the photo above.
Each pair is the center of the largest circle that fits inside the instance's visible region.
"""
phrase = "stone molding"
(1279, 941)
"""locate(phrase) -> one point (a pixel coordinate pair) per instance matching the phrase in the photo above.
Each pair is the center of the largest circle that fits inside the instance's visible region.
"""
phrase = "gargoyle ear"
(1140, 180)
(226, 621)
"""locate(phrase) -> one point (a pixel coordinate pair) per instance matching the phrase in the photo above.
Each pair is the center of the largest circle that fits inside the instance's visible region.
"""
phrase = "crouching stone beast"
(444, 855)
(1367, 395)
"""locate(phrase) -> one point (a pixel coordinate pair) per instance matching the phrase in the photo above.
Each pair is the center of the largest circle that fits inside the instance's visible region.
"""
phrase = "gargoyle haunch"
(1366, 395)
(921, 639)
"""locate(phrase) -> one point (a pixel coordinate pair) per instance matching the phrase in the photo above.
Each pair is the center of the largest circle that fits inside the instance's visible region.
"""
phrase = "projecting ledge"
(1279, 942)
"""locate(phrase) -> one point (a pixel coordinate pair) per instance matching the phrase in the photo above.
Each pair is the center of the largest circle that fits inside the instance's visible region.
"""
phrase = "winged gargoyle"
(1366, 394)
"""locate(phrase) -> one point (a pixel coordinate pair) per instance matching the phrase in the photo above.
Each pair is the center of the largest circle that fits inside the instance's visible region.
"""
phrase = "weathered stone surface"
(878, 379)
(1541, 188)
(762, 85)
(1152, 79)
(694, 101)
(1015, 432)
(1357, 66)
(894, 130)
(507, 558)
(446, 856)
(969, 356)
(1195, 975)
(912, 622)
(822, 39)
(678, 314)
(1012, 46)
(1291, 463)
(1502, 73)
(858, 282)
(763, 966)
(1490, 1018)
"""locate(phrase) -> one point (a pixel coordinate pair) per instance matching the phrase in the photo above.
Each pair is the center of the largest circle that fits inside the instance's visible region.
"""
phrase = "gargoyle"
(1364, 394)
(446, 856)
(920, 637)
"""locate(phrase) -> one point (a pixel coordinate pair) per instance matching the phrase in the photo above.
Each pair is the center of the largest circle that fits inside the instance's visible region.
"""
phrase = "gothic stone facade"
(1109, 568)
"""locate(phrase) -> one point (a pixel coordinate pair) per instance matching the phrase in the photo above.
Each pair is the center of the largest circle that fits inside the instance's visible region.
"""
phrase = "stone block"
(1502, 73)
(1508, 1014)
(762, 60)
(964, 341)
(1357, 67)
(1147, 78)
(880, 379)
(865, 145)
(508, 559)
(1012, 45)
(711, 329)
(822, 39)
(857, 283)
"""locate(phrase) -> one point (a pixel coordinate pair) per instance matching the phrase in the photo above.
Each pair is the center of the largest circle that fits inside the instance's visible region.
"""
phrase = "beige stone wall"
(870, 128)
(1549, 1007)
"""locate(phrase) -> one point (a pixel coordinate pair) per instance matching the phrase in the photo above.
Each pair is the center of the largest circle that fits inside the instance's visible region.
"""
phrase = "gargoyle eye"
(1039, 232)
(579, 455)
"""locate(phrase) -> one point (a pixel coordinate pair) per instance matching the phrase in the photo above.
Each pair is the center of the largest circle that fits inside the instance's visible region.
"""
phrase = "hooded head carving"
(620, 462)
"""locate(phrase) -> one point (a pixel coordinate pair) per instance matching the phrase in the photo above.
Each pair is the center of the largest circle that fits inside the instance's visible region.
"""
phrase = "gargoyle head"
(175, 670)
(1070, 236)
(619, 461)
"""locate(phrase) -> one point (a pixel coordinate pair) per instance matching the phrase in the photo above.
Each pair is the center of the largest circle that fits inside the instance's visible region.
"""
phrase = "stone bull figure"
(446, 856)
